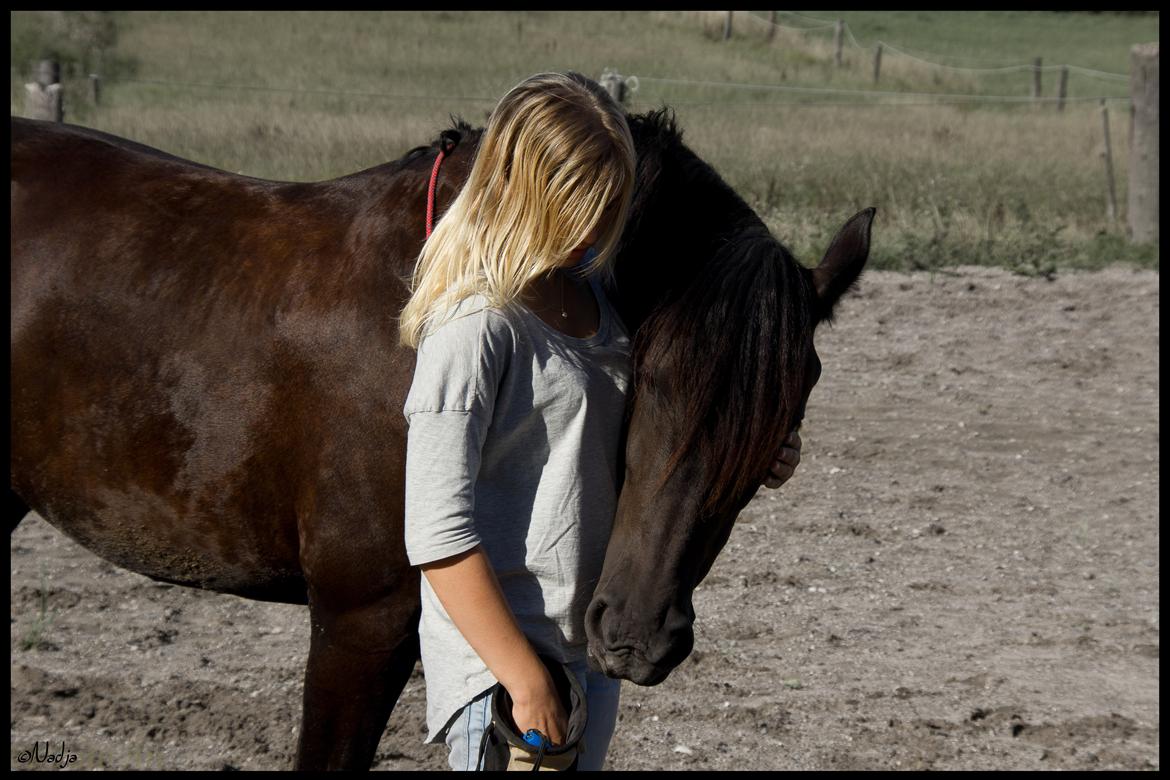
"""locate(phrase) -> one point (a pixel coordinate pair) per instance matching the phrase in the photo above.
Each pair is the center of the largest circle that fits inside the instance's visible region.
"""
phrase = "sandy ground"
(963, 574)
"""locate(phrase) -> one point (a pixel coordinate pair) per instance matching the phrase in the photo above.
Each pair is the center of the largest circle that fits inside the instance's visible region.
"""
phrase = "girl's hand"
(540, 708)
(785, 463)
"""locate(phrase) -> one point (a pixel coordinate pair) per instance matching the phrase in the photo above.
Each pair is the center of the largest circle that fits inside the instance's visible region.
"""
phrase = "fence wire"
(299, 90)
(868, 97)
(900, 98)
(882, 93)
(827, 23)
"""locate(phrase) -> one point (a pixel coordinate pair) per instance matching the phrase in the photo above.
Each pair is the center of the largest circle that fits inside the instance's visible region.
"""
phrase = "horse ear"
(842, 263)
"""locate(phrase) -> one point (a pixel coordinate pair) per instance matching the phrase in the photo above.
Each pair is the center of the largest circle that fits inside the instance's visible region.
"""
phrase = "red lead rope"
(446, 145)
(431, 193)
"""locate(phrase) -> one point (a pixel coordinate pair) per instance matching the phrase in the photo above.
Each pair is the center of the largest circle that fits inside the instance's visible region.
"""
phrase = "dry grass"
(952, 183)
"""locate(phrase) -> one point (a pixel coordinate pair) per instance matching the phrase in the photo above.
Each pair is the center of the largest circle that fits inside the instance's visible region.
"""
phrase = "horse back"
(204, 365)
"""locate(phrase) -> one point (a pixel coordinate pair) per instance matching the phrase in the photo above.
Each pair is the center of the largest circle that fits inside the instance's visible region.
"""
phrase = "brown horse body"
(207, 389)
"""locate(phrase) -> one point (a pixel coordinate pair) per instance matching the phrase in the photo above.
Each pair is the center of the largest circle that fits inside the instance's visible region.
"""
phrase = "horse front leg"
(359, 662)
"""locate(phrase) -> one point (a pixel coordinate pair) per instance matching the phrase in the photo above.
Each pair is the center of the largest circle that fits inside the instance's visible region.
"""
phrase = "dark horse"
(207, 389)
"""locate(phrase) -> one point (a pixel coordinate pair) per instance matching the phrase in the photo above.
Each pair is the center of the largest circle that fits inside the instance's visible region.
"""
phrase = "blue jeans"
(601, 704)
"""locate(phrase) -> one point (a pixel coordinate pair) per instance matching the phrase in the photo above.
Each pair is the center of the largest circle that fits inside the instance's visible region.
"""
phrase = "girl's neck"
(564, 301)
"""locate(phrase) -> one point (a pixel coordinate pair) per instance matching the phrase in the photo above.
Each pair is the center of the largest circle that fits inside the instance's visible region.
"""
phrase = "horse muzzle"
(624, 657)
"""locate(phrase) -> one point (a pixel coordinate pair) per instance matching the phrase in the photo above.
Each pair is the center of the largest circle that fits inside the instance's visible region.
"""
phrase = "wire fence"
(827, 24)
(797, 95)
(868, 97)
(300, 90)
(941, 96)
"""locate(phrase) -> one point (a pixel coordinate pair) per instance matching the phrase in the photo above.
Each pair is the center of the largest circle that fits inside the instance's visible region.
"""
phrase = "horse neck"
(393, 221)
(684, 217)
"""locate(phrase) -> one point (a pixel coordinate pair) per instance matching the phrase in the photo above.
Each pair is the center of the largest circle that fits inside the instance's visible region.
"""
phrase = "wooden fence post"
(877, 63)
(43, 98)
(1111, 205)
(1036, 78)
(727, 26)
(772, 26)
(95, 88)
(1063, 88)
(839, 40)
(615, 85)
(1143, 151)
(47, 72)
(1131, 115)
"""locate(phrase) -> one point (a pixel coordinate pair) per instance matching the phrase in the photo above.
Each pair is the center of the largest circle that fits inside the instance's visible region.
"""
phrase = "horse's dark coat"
(207, 389)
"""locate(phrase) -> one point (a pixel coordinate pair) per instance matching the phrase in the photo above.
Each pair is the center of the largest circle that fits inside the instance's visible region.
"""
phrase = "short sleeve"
(449, 409)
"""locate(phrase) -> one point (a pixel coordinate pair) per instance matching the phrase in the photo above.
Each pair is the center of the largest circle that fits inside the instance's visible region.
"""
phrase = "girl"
(515, 414)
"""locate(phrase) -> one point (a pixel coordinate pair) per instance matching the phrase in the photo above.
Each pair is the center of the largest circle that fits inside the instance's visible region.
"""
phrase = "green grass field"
(304, 96)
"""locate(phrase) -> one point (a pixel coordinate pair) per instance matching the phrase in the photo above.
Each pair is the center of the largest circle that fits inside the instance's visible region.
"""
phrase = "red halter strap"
(446, 146)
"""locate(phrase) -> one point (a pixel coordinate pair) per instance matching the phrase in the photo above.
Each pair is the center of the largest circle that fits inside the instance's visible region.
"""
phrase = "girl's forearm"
(471, 595)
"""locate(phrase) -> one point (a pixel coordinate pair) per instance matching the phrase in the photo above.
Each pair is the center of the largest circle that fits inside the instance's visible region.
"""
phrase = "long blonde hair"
(555, 162)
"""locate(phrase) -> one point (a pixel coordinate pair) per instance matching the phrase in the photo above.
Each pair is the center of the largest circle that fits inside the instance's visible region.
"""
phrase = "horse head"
(724, 363)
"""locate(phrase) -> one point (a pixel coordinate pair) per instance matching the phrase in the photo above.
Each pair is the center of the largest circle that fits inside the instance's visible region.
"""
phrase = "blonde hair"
(555, 163)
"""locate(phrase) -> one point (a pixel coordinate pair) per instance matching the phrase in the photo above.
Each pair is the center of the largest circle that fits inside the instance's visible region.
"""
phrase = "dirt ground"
(963, 574)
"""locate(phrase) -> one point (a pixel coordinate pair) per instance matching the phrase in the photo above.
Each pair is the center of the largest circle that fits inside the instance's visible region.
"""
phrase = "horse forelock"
(731, 354)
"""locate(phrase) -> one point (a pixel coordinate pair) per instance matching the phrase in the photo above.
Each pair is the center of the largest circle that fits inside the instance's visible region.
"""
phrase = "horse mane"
(739, 325)
(742, 317)
(657, 138)
(458, 126)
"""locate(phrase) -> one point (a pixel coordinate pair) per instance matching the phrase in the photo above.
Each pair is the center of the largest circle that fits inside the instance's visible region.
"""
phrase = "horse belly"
(151, 448)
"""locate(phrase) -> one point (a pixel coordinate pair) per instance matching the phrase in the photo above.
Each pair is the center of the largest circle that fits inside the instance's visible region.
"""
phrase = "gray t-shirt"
(513, 439)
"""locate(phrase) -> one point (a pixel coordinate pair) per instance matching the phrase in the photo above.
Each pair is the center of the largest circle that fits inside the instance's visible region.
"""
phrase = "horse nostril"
(593, 618)
(600, 625)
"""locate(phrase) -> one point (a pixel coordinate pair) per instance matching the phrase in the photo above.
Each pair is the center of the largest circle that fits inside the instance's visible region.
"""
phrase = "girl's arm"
(467, 588)
(449, 409)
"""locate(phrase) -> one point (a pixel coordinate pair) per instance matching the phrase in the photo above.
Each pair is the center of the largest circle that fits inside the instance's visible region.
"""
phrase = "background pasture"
(964, 572)
(304, 96)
